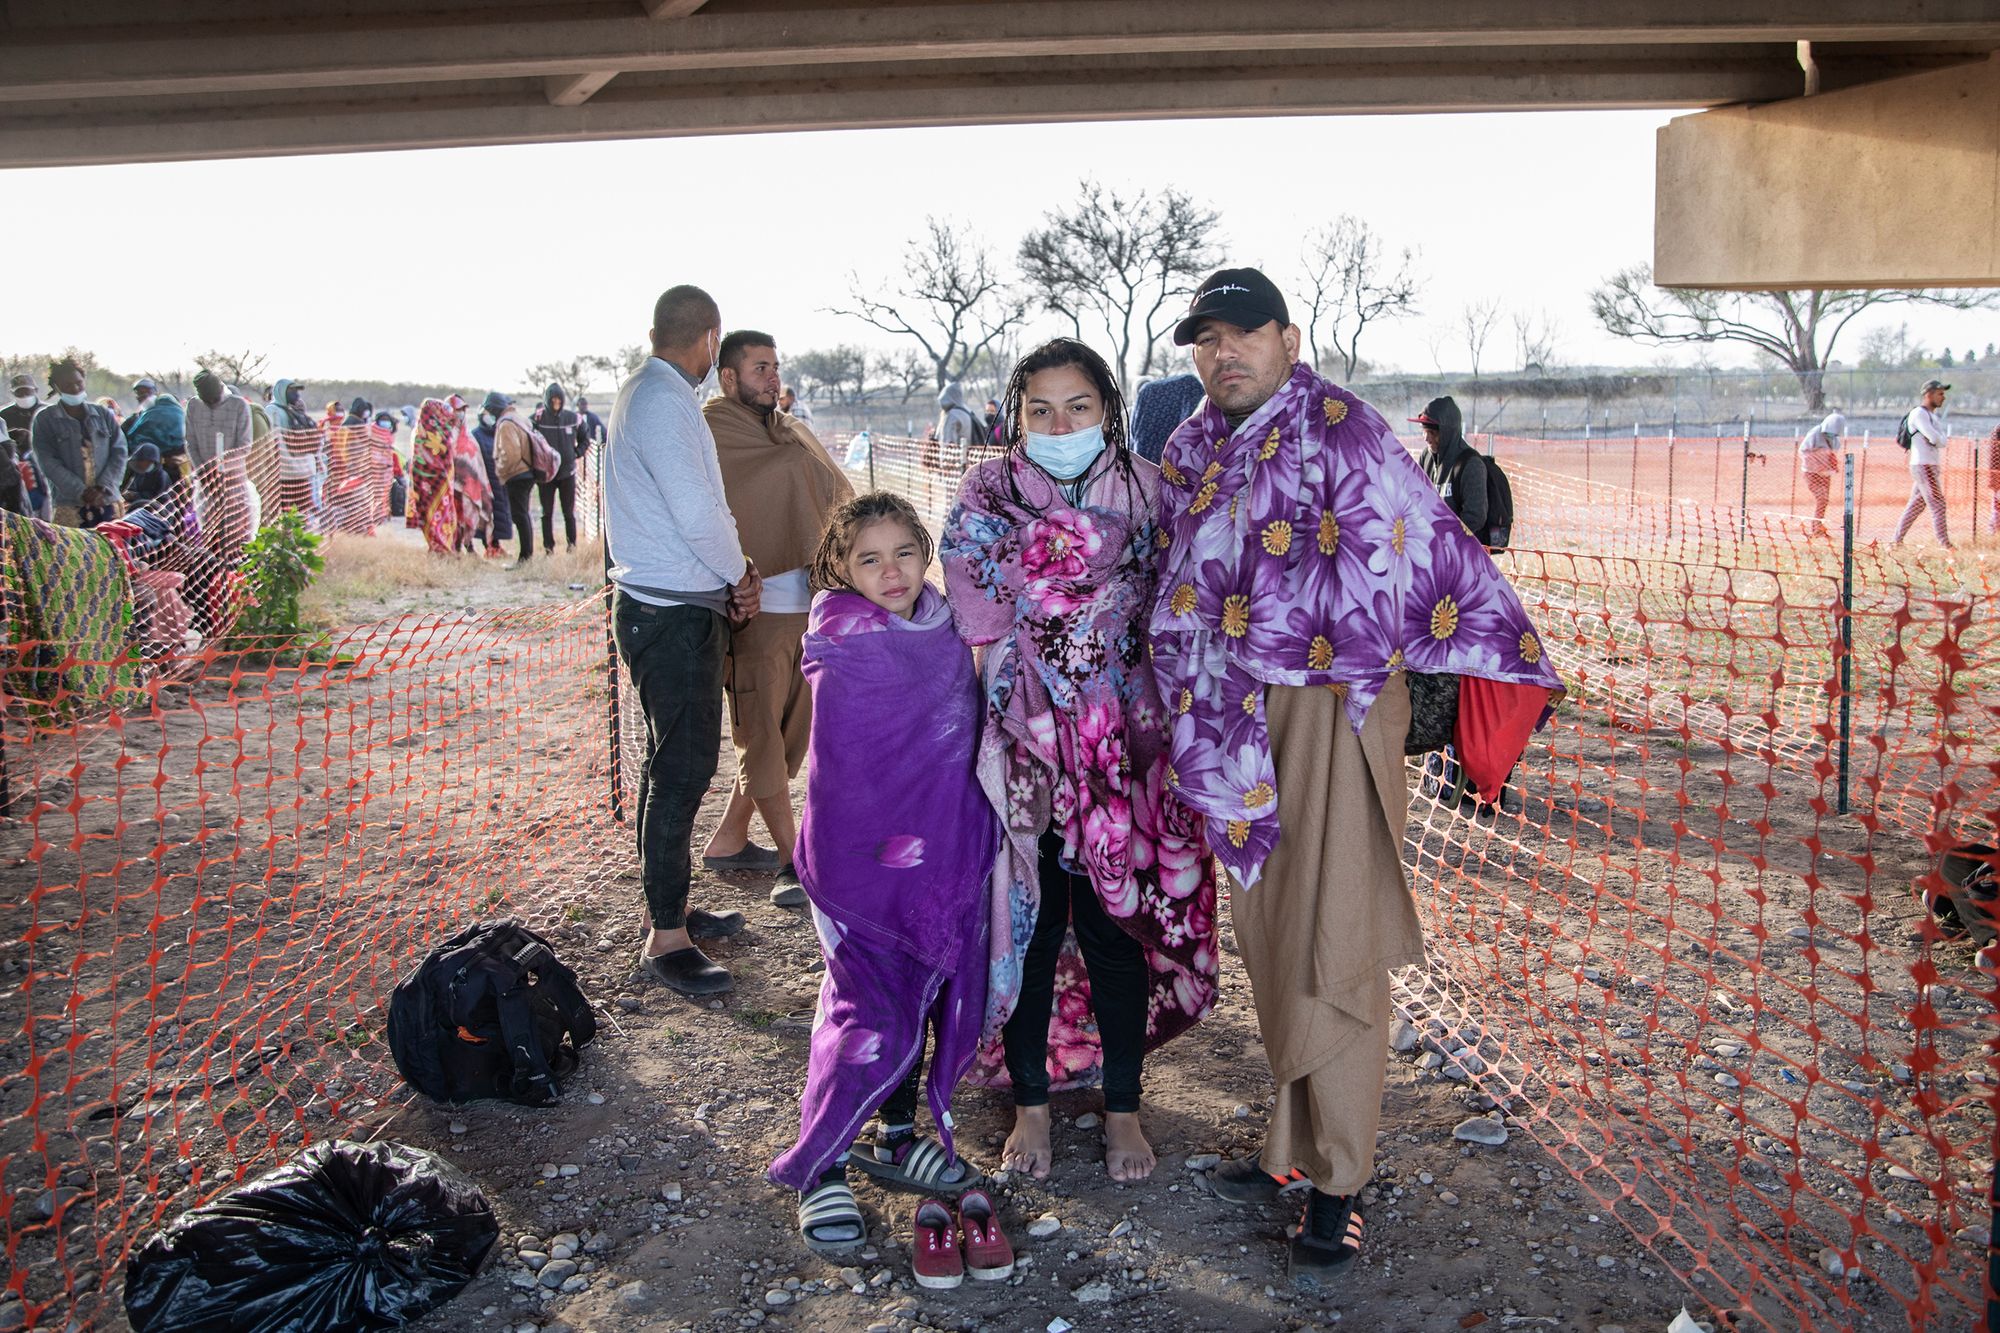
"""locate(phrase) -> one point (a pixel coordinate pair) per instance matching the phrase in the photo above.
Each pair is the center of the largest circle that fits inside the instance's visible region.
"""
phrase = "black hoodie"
(1455, 467)
(559, 428)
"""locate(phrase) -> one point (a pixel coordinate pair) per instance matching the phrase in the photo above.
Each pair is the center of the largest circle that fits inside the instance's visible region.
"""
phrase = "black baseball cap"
(1241, 296)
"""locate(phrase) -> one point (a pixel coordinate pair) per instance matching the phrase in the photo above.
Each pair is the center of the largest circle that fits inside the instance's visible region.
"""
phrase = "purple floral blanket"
(1306, 547)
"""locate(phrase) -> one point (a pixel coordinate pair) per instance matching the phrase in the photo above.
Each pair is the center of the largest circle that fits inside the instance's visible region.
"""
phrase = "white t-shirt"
(1926, 438)
(789, 593)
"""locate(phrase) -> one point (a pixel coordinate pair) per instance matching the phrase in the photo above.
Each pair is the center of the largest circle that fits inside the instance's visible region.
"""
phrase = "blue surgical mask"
(72, 399)
(1066, 457)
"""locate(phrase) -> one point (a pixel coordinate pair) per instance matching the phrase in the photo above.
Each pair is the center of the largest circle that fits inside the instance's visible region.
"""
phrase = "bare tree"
(906, 373)
(238, 368)
(1475, 327)
(1117, 263)
(577, 374)
(1797, 329)
(952, 298)
(1353, 281)
(1536, 337)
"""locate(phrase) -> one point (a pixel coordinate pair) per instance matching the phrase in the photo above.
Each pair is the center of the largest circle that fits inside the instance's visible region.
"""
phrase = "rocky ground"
(640, 1202)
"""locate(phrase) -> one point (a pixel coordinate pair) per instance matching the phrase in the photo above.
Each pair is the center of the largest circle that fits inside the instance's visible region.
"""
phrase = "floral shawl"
(1307, 548)
(433, 505)
(1075, 739)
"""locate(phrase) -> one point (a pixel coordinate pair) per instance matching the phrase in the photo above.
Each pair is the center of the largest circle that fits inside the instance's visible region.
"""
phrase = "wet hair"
(739, 341)
(1051, 355)
(827, 571)
(683, 314)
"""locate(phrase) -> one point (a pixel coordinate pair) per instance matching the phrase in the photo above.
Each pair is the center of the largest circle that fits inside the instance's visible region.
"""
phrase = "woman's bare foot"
(1127, 1155)
(1028, 1147)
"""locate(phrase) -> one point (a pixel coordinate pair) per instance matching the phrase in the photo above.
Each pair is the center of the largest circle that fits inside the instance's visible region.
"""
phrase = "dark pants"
(503, 519)
(901, 1107)
(518, 491)
(1117, 967)
(675, 656)
(565, 486)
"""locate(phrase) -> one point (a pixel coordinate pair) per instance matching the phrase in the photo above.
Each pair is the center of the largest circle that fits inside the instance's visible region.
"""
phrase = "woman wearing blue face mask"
(1103, 900)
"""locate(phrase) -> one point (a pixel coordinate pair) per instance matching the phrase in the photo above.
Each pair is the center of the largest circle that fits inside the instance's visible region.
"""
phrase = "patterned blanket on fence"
(70, 617)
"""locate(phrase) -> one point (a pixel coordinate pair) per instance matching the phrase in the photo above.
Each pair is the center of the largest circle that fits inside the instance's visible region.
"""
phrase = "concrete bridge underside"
(157, 80)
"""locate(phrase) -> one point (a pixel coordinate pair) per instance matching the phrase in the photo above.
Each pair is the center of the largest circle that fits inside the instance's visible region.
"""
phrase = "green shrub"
(278, 565)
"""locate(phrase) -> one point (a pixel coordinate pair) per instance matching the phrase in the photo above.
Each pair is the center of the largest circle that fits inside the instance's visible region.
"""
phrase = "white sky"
(467, 265)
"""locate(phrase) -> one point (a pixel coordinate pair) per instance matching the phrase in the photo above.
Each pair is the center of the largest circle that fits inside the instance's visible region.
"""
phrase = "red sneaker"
(934, 1252)
(988, 1255)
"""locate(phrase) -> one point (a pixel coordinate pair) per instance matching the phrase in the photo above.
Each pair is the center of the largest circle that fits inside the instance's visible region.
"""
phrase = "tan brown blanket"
(780, 480)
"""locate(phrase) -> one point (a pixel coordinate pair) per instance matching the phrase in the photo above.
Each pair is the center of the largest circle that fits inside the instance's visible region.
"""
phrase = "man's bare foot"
(1028, 1147)
(1127, 1155)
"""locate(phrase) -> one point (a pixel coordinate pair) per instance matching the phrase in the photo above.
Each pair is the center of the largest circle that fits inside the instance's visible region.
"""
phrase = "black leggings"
(518, 491)
(548, 490)
(1117, 967)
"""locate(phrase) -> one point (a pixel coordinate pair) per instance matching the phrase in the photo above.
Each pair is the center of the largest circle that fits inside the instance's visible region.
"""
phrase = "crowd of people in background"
(468, 486)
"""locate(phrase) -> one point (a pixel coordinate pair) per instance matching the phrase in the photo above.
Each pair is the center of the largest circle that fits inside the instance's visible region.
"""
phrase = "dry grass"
(390, 572)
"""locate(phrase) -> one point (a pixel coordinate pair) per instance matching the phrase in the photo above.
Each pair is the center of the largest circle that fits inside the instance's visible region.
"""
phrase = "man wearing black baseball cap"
(1239, 326)
(1308, 567)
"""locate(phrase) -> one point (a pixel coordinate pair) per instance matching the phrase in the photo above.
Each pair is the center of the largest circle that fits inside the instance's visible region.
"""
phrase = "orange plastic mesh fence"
(1723, 1008)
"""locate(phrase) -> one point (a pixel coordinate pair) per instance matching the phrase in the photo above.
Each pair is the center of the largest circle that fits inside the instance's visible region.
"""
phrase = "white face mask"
(1066, 456)
(71, 399)
(25, 397)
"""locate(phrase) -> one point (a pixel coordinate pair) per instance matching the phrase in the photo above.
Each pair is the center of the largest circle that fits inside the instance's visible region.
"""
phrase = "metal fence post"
(1743, 506)
(1670, 459)
(613, 723)
(1975, 491)
(1588, 497)
(1846, 742)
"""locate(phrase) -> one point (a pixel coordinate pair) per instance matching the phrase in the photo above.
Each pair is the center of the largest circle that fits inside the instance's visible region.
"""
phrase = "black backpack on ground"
(491, 1012)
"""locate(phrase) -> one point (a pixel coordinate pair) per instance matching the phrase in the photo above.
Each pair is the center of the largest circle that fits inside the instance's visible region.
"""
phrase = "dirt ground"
(652, 1168)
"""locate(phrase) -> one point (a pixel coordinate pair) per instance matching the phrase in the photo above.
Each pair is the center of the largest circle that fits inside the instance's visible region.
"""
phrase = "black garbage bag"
(345, 1236)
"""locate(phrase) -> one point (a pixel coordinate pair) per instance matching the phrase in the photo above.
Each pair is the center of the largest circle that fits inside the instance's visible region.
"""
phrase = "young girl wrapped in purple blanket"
(895, 849)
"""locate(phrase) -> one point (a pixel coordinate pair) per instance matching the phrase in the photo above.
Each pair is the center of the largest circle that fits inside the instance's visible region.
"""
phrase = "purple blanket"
(895, 848)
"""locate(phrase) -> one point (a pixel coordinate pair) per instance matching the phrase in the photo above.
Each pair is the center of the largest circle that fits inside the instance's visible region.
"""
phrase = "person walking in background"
(1049, 560)
(76, 444)
(681, 579)
(142, 395)
(1291, 711)
(1923, 435)
(1453, 465)
(1819, 462)
(559, 426)
(1162, 405)
(991, 433)
(781, 485)
(514, 464)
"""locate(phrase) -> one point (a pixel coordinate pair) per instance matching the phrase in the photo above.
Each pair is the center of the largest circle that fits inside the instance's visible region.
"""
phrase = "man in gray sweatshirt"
(681, 578)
